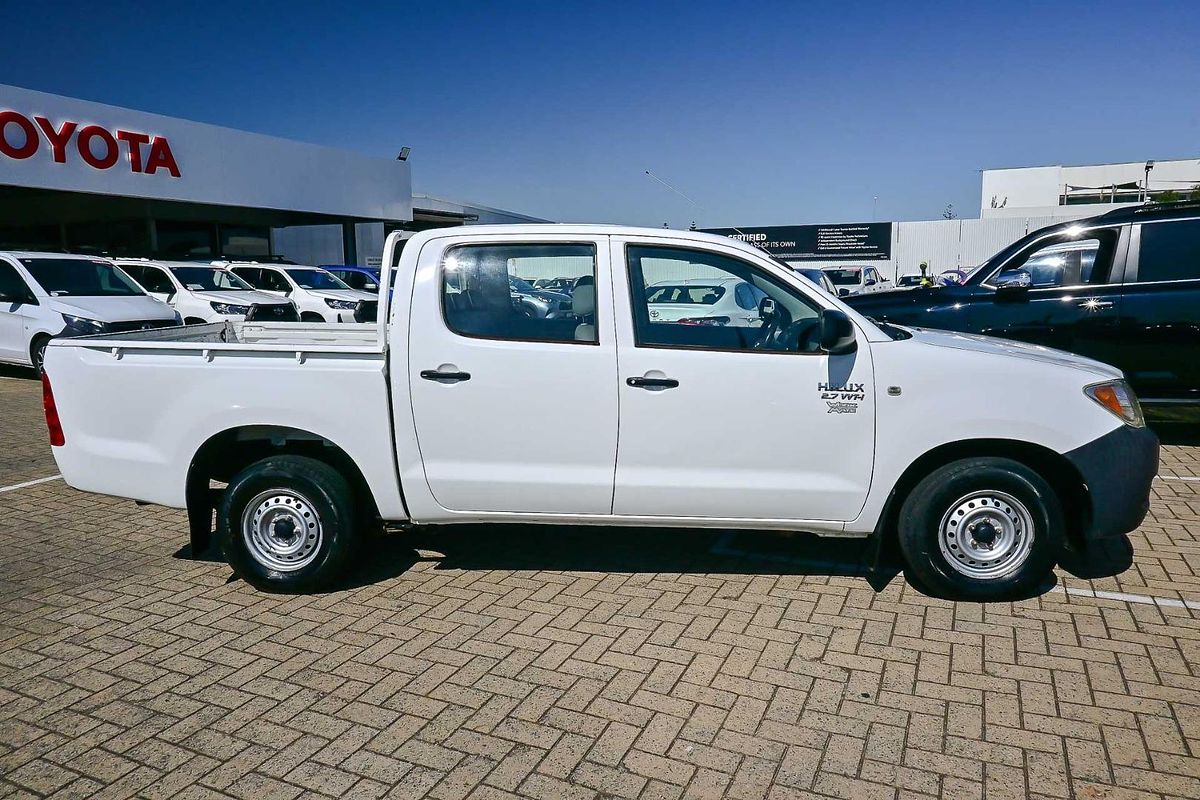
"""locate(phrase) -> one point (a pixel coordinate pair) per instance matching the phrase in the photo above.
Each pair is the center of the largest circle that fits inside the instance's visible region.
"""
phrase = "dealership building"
(89, 177)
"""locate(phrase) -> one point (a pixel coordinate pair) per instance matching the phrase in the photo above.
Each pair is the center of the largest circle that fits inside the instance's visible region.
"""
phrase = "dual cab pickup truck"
(983, 457)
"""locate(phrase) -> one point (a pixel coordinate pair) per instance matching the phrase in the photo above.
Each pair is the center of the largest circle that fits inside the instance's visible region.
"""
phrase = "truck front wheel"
(286, 524)
(981, 529)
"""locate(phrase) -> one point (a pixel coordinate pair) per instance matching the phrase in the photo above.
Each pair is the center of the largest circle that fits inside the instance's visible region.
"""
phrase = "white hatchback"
(43, 295)
(203, 293)
(319, 295)
(701, 301)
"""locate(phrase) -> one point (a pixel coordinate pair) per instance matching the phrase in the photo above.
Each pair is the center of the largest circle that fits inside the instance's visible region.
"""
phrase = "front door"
(14, 341)
(1161, 311)
(729, 419)
(1070, 298)
(513, 393)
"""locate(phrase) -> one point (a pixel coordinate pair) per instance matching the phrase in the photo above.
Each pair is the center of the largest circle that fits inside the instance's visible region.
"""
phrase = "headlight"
(229, 308)
(82, 326)
(1118, 398)
(345, 305)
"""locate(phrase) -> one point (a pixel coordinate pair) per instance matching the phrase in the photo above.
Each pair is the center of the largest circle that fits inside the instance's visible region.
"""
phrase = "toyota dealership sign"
(61, 143)
(98, 147)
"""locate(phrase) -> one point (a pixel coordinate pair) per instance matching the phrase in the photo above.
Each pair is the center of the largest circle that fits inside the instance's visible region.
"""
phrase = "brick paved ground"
(562, 663)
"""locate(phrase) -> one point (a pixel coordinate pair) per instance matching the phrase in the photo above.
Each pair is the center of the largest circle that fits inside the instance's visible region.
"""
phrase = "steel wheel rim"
(282, 530)
(986, 535)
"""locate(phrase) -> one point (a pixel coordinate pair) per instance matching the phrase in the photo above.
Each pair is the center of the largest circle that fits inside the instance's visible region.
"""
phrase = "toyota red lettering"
(96, 145)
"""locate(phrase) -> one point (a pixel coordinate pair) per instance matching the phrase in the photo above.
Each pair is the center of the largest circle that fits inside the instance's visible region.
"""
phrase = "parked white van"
(43, 295)
(319, 295)
(204, 293)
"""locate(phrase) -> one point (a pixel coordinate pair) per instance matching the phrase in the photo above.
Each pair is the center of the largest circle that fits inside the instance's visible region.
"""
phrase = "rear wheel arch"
(1053, 467)
(225, 454)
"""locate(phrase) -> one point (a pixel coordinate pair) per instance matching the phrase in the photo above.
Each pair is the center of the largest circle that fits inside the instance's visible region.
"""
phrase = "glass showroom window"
(488, 292)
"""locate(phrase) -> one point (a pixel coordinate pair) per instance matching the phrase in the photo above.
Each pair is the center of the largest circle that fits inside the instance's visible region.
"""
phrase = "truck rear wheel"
(286, 524)
(981, 529)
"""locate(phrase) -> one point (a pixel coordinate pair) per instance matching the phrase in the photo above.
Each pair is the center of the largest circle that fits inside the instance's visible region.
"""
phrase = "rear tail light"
(52, 422)
(704, 321)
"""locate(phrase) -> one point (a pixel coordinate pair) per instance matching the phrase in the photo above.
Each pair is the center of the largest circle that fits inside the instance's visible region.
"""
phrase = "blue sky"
(764, 113)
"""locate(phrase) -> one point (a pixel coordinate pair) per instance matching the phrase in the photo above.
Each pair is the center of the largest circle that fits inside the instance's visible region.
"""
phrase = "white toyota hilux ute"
(202, 292)
(982, 458)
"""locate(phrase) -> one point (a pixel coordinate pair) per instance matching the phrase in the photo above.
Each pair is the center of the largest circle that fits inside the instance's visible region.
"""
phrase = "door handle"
(1095, 305)
(448, 377)
(652, 383)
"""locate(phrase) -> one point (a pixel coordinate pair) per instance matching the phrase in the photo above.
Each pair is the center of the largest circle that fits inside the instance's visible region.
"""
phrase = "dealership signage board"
(860, 241)
(53, 142)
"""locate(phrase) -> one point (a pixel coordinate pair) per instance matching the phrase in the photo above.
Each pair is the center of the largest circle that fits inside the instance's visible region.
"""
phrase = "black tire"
(311, 316)
(977, 492)
(37, 353)
(292, 490)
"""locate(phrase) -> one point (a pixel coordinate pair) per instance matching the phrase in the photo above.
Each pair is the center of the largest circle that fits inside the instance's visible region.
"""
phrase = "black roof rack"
(1182, 208)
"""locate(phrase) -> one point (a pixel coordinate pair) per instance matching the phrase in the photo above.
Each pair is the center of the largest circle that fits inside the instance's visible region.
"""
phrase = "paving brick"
(557, 662)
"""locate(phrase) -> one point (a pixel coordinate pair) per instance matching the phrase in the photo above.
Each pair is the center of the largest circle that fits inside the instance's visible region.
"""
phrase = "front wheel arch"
(37, 348)
(1053, 467)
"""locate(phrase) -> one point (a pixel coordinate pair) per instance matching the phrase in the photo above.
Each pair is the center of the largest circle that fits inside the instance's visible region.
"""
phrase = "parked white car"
(204, 293)
(43, 295)
(319, 295)
(857, 280)
(705, 301)
(845, 427)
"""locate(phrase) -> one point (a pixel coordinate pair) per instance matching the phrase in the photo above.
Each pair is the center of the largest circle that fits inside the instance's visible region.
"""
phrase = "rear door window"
(1170, 251)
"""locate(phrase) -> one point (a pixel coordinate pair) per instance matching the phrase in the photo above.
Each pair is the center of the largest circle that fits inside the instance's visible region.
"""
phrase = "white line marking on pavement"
(1175, 478)
(722, 547)
(1142, 599)
(27, 484)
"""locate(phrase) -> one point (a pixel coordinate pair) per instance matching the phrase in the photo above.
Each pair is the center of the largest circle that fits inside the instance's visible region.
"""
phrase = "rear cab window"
(488, 292)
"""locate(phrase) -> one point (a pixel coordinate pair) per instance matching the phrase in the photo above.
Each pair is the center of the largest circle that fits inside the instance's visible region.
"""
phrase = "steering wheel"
(785, 335)
(774, 333)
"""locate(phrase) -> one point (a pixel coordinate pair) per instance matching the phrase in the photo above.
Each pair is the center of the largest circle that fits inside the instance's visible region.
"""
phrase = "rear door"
(720, 421)
(1161, 313)
(514, 411)
(1073, 300)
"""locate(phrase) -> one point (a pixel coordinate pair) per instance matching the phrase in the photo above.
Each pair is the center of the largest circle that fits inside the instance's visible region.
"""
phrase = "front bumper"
(1118, 469)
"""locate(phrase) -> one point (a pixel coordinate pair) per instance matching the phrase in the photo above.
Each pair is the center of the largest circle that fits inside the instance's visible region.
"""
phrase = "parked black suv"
(1123, 288)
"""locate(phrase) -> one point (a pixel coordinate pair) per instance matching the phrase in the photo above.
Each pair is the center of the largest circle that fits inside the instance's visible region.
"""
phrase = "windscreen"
(206, 279)
(690, 294)
(844, 277)
(316, 279)
(79, 277)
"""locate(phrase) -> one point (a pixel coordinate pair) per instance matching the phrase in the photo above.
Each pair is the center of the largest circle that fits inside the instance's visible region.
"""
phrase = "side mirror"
(870, 282)
(767, 309)
(837, 332)
(1013, 281)
(370, 287)
(843, 292)
(170, 298)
